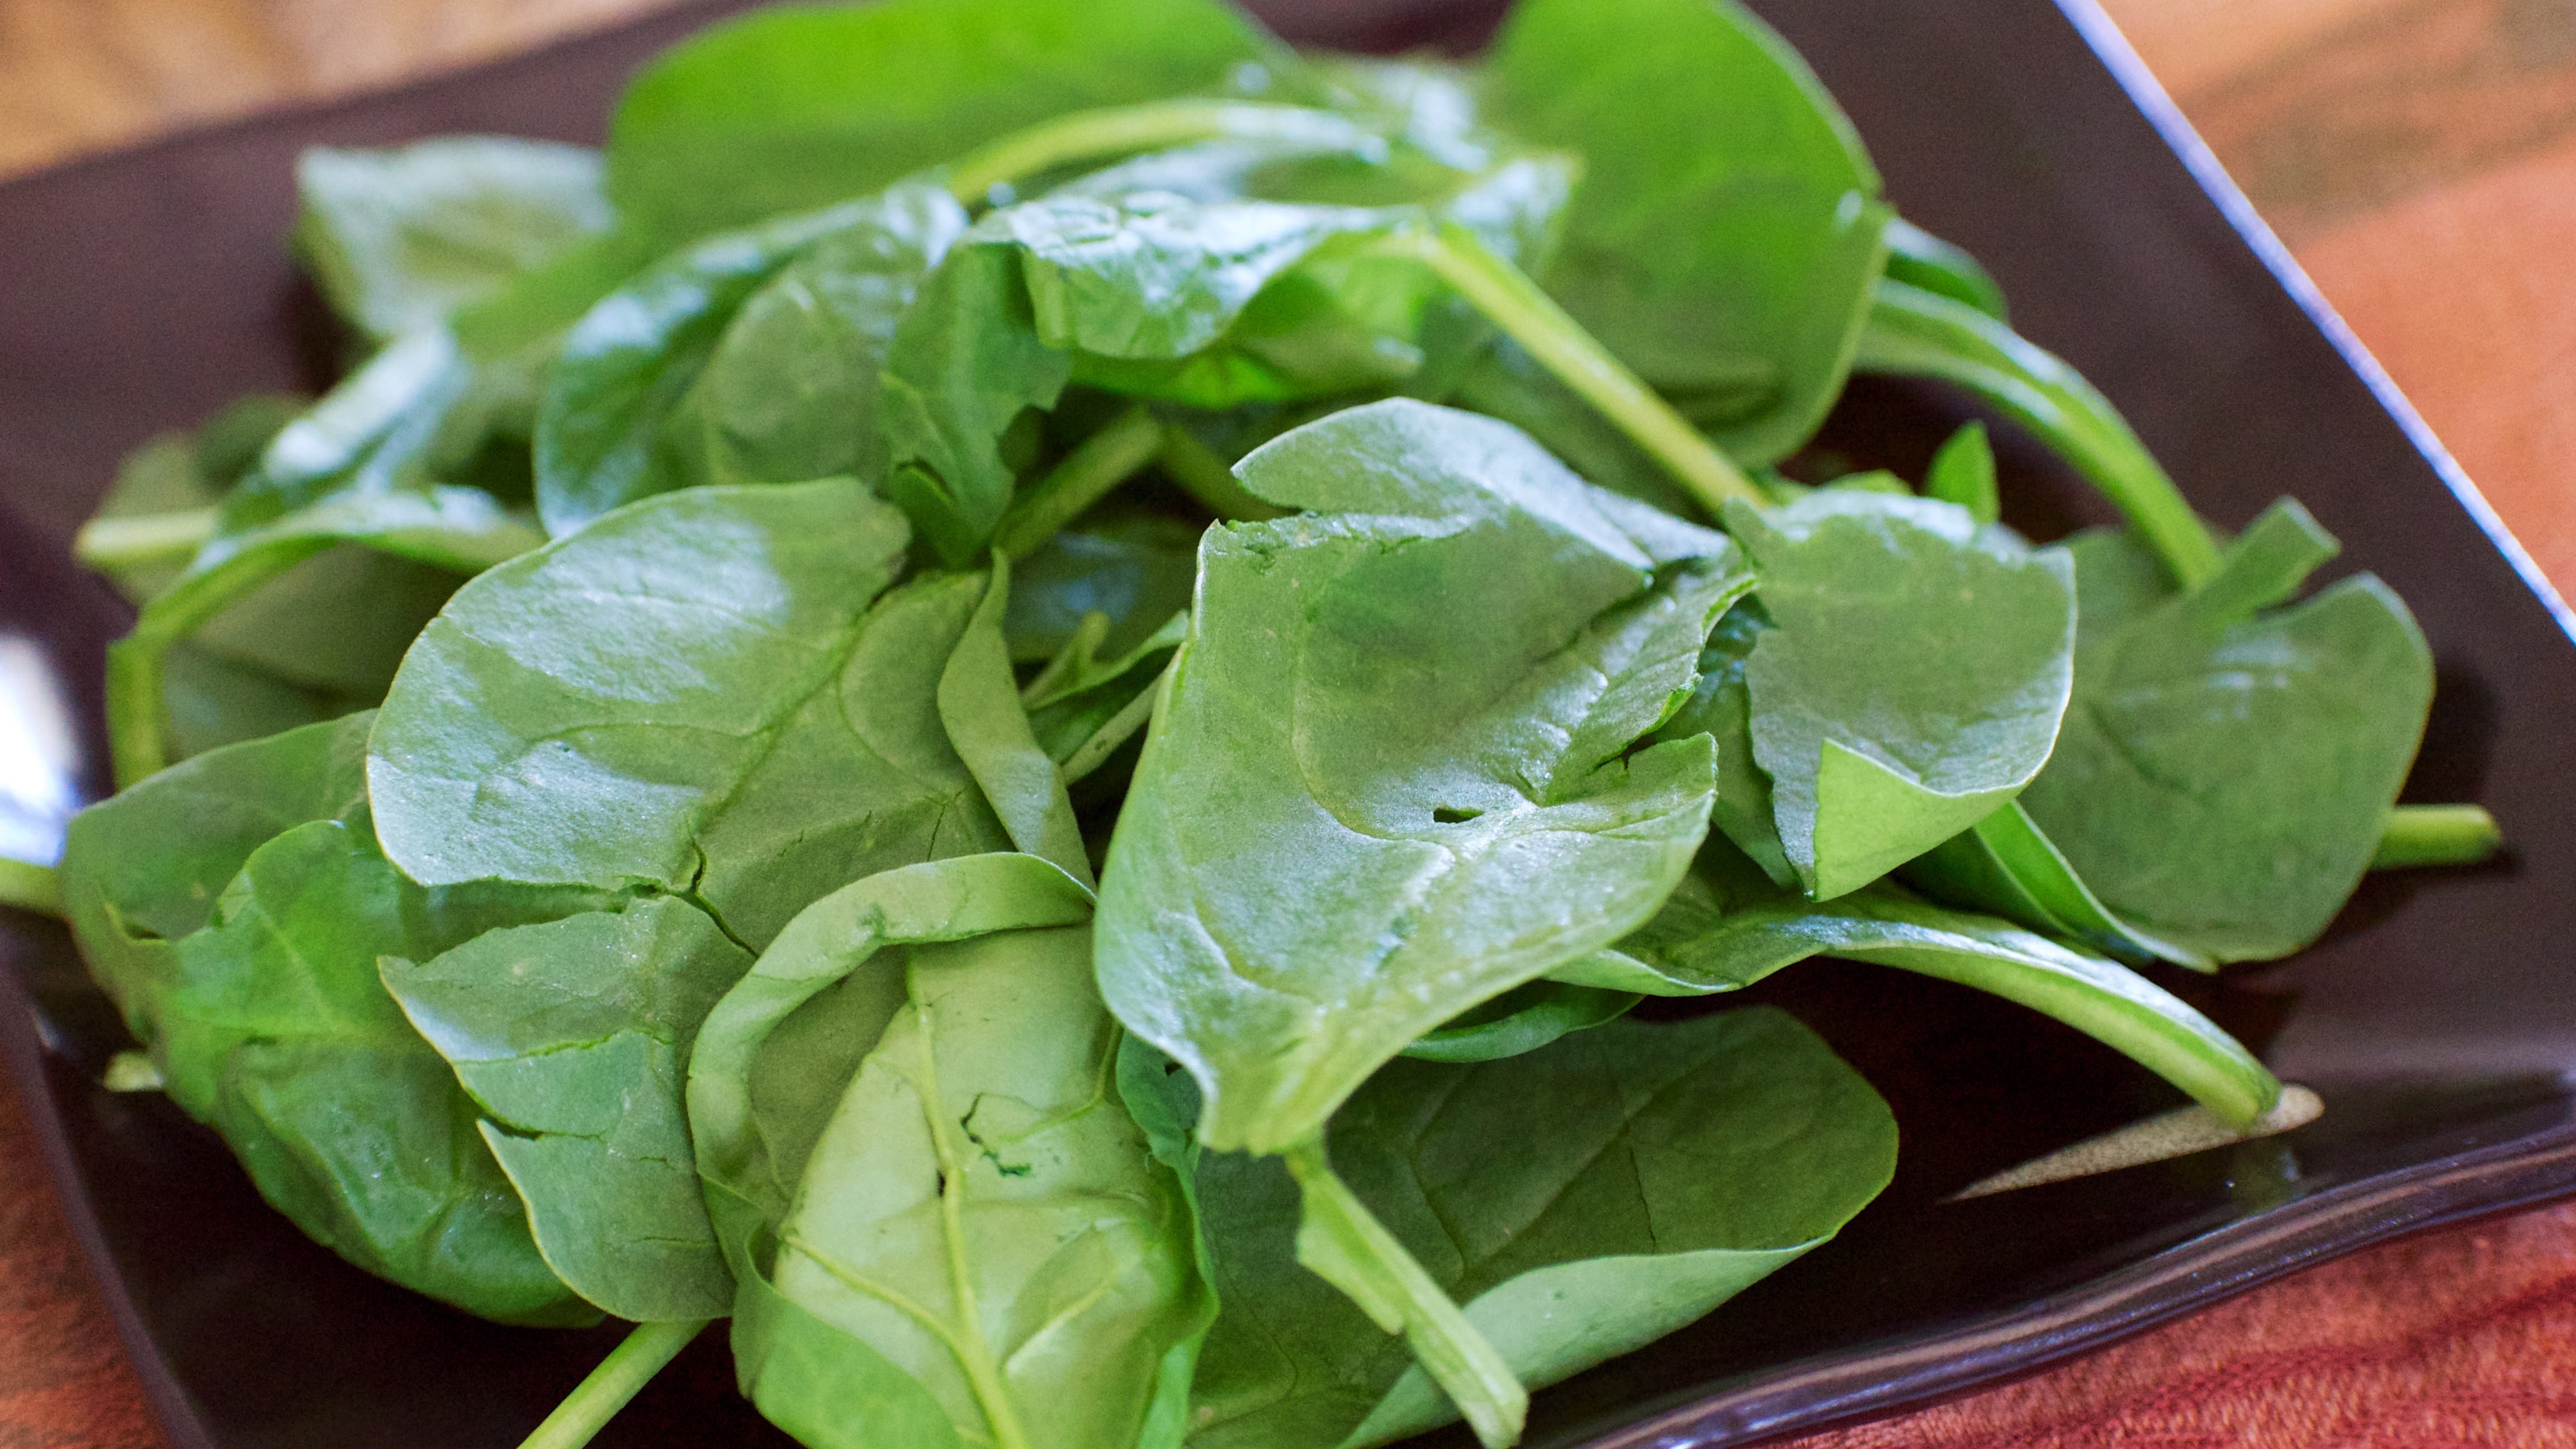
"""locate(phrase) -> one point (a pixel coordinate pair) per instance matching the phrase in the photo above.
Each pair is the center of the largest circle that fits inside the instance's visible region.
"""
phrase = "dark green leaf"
(1133, 569)
(2227, 766)
(1522, 1019)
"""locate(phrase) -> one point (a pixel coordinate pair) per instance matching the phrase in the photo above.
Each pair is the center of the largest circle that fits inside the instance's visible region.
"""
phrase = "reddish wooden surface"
(2420, 158)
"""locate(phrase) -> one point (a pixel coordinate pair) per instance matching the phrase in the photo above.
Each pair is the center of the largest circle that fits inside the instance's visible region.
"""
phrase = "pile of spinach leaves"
(993, 697)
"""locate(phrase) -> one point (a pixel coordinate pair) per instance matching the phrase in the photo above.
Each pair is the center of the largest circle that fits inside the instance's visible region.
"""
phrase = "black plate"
(138, 291)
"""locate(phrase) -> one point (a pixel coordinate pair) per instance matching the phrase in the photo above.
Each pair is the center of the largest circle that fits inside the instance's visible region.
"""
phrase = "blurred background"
(2419, 158)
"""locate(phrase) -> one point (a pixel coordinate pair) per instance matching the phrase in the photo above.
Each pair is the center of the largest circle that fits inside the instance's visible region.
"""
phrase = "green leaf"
(1963, 472)
(161, 509)
(906, 1120)
(1720, 706)
(235, 908)
(979, 703)
(1390, 775)
(401, 238)
(1918, 258)
(742, 340)
(804, 106)
(2228, 765)
(1133, 569)
(1727, 232)
(2006, 864)
(1917, 333)
(572, 1037)
(1727, 926)
(1913, 681)
(1658, 1169)
(1522, 1019)
(710, 692)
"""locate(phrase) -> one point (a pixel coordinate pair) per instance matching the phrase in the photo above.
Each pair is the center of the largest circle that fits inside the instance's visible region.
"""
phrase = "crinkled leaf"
(1389, 776)
(710, 691)
(573, 1037)
(1658, 1169)
(1913, 680)
(906, 1118)
(2228, 765)
(400, 238)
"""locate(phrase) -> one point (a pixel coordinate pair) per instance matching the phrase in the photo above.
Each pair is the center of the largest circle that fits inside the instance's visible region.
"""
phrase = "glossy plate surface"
(139, 291)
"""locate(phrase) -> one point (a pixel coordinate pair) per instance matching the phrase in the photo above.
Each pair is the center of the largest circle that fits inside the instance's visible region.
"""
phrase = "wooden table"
(2420, 158)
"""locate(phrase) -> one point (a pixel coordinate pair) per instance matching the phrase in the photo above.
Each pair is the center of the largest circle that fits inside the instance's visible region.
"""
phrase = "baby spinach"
(235, 907)
(572, 1037)
(942, 1219)
(1663, 1168)
(1913, 679)
(1380, 761)
(2230, 758)
(1133, 569)
(399, 239)
(800, 107)
(733, 339)
(1727, 926)
(714, 692)
(1728, 229)
(2007, 865)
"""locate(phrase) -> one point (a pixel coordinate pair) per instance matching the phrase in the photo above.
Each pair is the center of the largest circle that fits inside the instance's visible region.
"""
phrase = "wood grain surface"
(2420, 158)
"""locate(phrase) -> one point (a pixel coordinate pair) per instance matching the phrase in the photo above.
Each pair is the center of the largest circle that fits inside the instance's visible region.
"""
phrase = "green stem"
(138, 726)
(1124, 130)
(30, 887)
(627, 1369)
(1103, 461)
(1917, 333)
(138, 539)
(1132, 716)
(1348, 1247)
(1531, 318)
(1204, 476)
(2436, 835)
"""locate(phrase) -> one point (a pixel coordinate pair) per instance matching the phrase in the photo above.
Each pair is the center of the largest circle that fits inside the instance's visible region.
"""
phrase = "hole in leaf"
(1454, 815)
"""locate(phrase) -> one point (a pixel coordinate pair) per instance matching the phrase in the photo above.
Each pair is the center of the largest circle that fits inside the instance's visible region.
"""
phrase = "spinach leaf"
(162, 507)
(804, 106)
(400, 238)
(1133, 569)
(711, 693)
(979, 703)
(1390, 775)
(1917, 333)
(724, 361)
(1913, 680)
(1721, 707)
(1963, 472)
(1083, 708)
(572, 1037)
(235, 908)
(1727, 232)
(940, 1215)
(2228, 765)
(1919, 259)
(1727, 926)
(2006, 864)
(1522, 1019)
(1661, 1169)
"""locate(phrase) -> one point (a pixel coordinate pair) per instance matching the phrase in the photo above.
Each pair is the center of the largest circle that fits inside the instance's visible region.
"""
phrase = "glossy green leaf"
(1727, 232)
(401, 238)
(1918, 258)
(731, 348)
(1658, 1169)
(573, 1037)
(1133, 569)
(803, 106)
(235, 907)
(1720, 706)
(2229, 761)
(1522, 1019)
(906, 1121)
(1913, 680)
(710, 692)
(979, 704)
(1390, 776)
(2007, 865)
(1727, 926)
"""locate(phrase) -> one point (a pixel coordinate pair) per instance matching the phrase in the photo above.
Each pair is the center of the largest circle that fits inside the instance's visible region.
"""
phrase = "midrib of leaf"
(967, 1344)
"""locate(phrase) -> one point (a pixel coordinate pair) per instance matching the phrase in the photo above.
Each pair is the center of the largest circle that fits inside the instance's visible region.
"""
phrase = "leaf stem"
(2436, 835)
(138, 723)
(1101, 462)
(627, 1369)
(1122, 130)
(30, 887)
(1531, 318)
(138, 539)
(1204, 476)
(1348, 1247)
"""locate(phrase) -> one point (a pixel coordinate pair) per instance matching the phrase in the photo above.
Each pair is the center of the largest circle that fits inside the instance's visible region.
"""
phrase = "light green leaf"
(979, 703)
(1913, 680)
(1389, 777)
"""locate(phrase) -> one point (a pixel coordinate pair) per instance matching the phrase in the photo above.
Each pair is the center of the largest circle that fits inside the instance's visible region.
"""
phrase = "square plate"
(143, 289)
